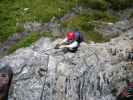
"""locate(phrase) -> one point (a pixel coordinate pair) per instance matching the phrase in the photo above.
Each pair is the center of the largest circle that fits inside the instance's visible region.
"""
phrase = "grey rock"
(116, 29)
(44, 73)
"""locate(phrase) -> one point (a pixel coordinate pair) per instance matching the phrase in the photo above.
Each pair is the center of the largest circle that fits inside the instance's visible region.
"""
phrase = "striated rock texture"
(116, 29)
(94, 72)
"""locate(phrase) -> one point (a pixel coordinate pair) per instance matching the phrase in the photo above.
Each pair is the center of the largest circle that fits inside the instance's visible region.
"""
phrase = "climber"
(71, 42)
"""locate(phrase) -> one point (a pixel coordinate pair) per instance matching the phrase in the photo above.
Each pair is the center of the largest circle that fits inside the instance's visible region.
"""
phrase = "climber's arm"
(63, 41)
(71, 46)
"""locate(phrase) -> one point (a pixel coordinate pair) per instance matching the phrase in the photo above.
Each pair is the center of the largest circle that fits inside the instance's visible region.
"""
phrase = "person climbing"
(71, 42)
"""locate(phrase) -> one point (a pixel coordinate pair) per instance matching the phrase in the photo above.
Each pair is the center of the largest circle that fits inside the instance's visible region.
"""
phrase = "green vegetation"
(31, 38)
(20, 11)
(7, 20)
(105, 4)
(131, 15)
(120, 4)
(95, 36)
(43, 10)
(94, 4)
(86, 22)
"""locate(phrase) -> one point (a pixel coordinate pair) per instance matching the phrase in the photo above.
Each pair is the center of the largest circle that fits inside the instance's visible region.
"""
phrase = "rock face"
(94, 72)
(116, 29)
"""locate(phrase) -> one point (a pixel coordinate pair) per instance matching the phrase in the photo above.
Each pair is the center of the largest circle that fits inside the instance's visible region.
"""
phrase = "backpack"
(6, 75)
(78, 37)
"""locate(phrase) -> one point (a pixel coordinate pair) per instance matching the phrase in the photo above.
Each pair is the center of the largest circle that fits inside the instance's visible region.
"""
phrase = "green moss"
(31, 38)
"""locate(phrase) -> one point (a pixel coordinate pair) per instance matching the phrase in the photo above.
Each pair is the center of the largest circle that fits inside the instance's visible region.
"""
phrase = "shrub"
(94, 4)
(120, 4)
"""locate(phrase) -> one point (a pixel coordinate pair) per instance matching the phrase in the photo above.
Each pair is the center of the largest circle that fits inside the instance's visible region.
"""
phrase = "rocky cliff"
(94, 72)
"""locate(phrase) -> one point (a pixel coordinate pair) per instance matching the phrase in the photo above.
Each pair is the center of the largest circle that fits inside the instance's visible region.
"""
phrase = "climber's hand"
(63, 46)
(57, 46)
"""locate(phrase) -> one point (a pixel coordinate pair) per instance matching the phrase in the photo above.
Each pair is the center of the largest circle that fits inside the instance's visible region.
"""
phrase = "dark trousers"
(65, 50)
